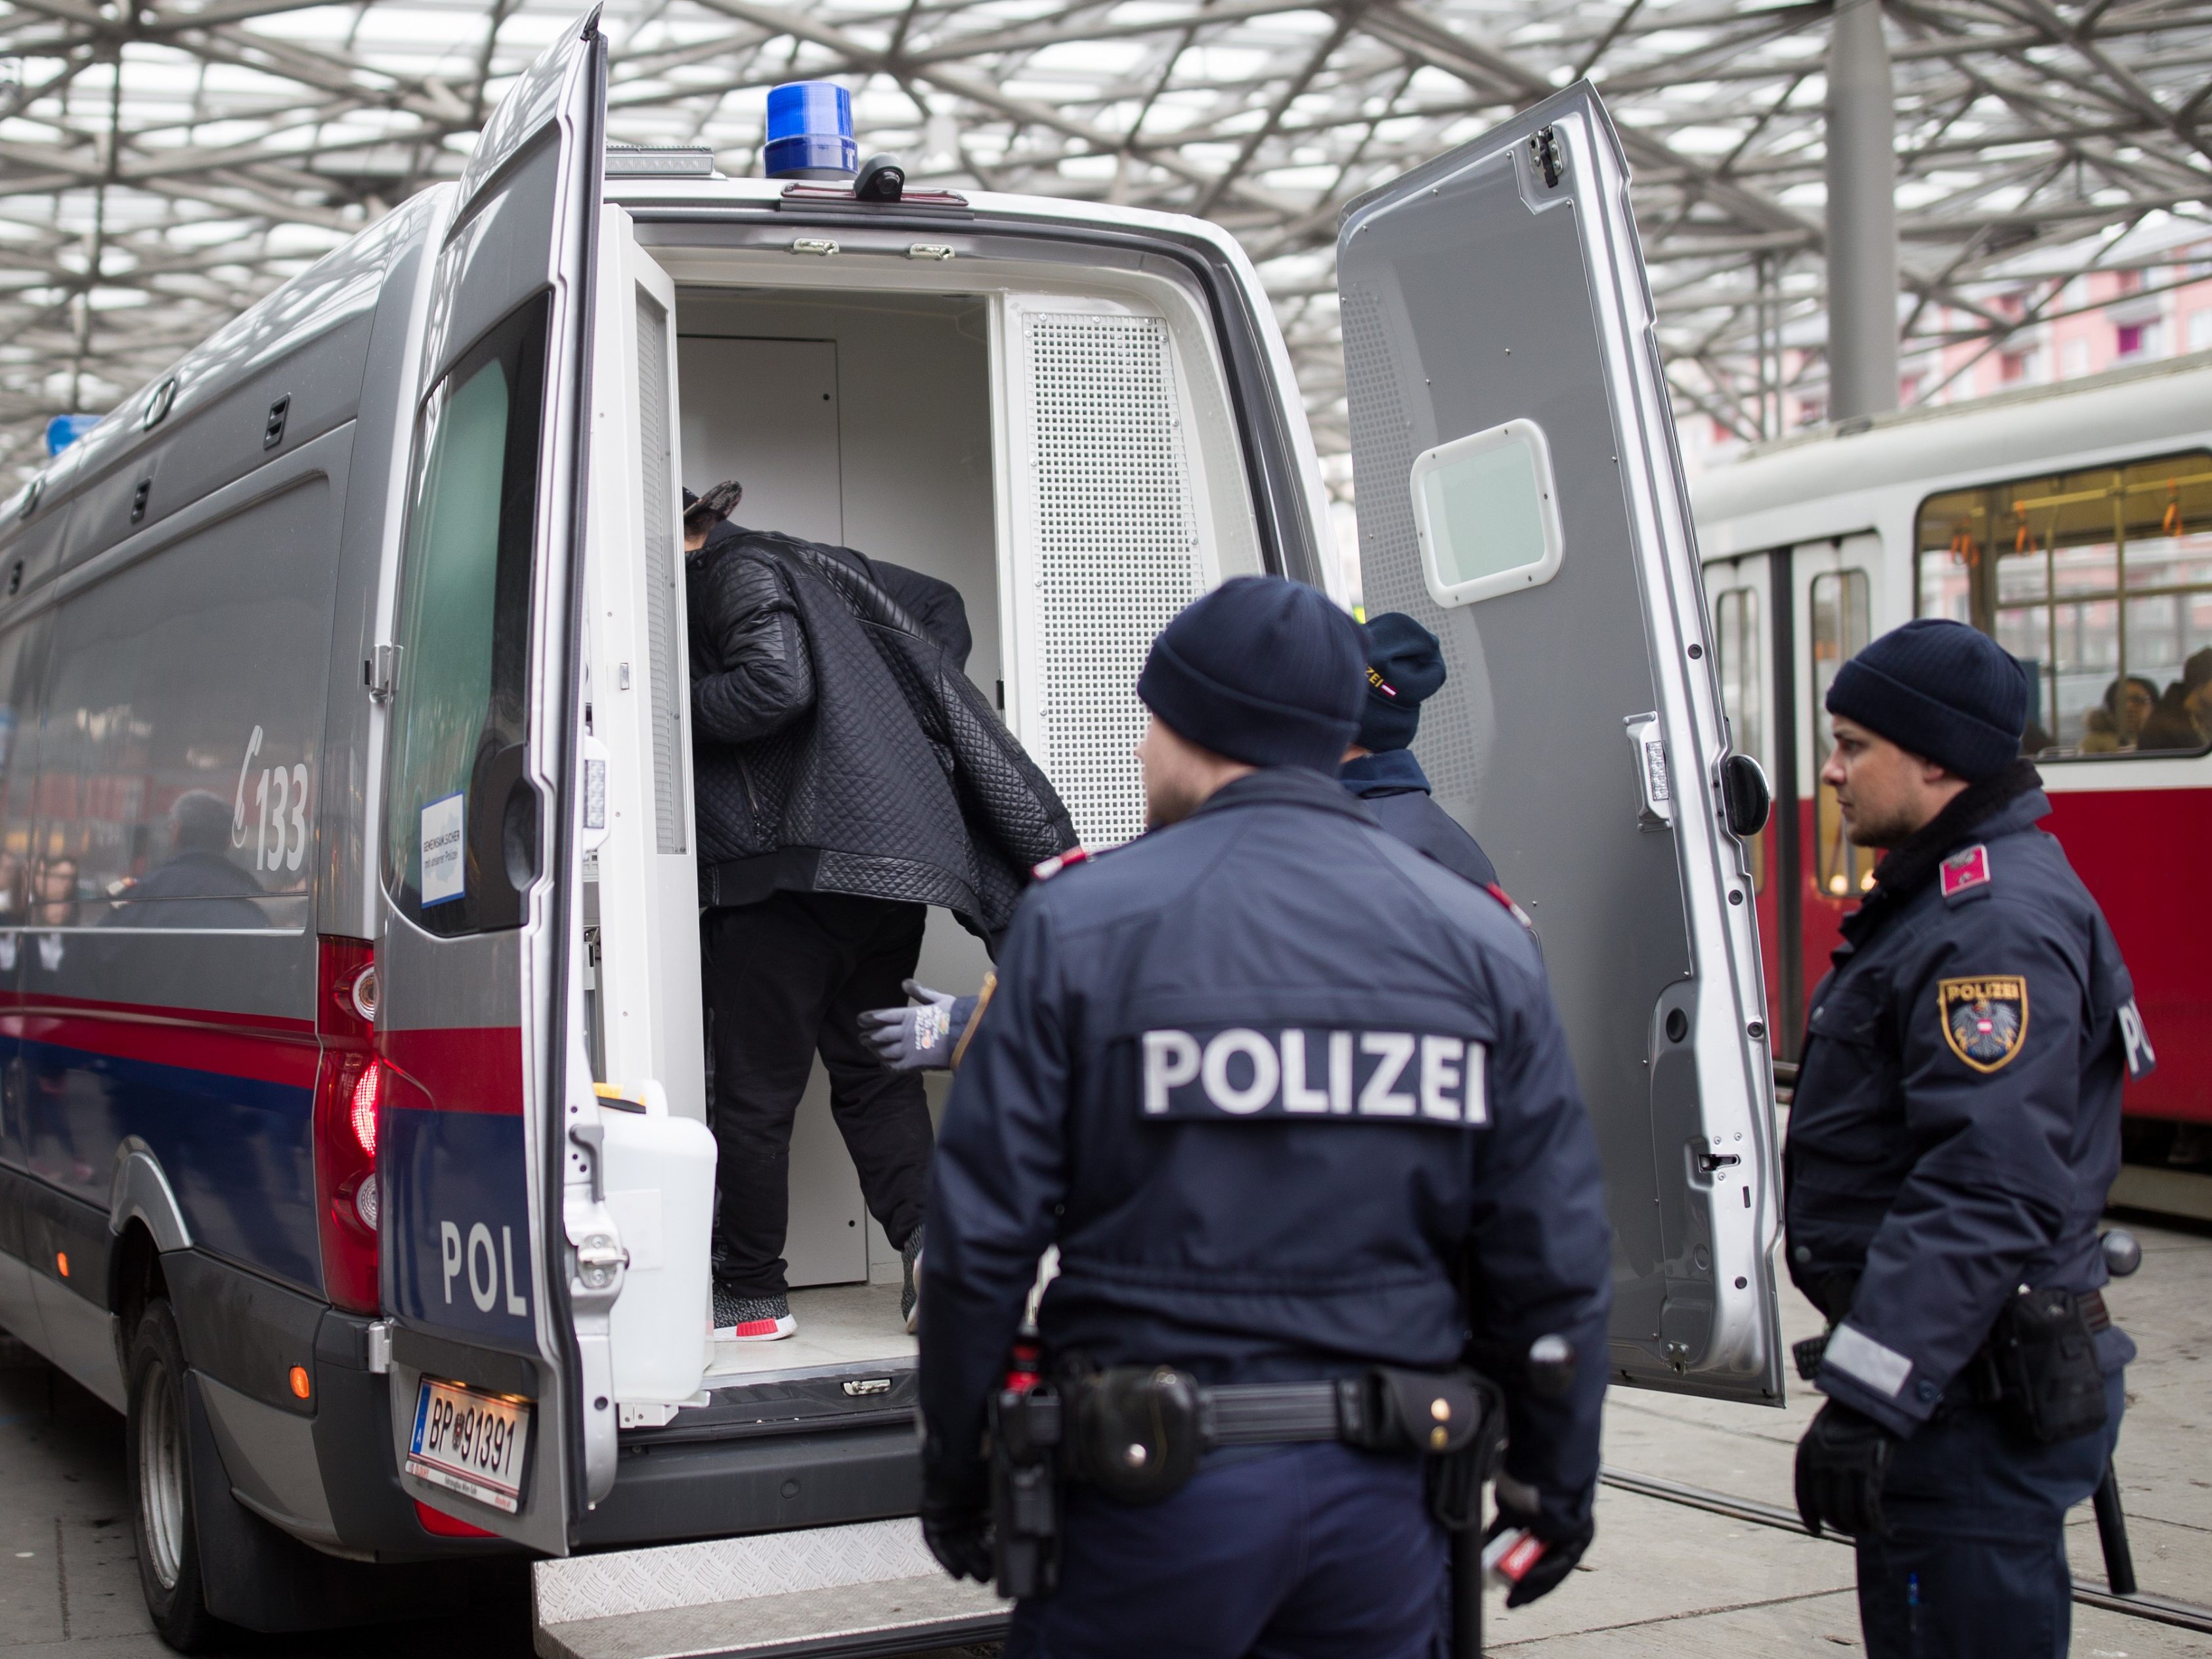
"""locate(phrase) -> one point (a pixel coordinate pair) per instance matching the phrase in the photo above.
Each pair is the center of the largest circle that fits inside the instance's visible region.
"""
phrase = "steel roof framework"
(163, 163)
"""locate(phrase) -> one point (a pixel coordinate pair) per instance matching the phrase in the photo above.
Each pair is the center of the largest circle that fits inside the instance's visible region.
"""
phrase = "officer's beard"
(1893, 829)
(1170, 800)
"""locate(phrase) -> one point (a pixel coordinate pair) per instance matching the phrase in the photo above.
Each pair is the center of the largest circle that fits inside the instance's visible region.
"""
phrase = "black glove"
(1841, 1464)
(1558, 1560)
(956, 1524)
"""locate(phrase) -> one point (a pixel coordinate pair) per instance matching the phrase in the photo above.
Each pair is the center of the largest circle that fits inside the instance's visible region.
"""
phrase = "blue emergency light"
(65, 429)
(810, 131)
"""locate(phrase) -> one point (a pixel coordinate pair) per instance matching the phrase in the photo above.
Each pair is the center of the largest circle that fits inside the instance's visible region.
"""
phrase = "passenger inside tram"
(2183, 718)
(2117, 723)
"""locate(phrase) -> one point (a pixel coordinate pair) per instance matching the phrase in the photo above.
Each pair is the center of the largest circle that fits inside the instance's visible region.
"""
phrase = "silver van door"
(479, 1050)
(1519, 493)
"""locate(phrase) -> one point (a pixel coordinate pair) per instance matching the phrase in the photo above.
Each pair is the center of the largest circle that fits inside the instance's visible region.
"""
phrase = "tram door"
(1836, 606)
(1751, 659)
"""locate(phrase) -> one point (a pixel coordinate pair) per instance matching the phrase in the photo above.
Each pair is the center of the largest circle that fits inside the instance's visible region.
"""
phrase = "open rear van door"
(490, 1386)
(1519, 492)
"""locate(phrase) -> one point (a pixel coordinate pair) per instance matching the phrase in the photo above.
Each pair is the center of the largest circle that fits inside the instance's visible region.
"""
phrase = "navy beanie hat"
(1261, 670)
(1405, 667)
(1942, 690)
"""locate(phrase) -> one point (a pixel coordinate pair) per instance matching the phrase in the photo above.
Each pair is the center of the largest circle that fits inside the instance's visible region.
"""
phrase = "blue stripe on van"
(238, 1152)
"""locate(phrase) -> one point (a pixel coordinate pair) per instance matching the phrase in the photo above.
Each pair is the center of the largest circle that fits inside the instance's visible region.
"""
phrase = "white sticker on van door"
(443, 876)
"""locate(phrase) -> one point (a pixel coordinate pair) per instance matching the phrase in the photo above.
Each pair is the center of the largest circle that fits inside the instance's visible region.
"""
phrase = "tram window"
(1840, 629)
(2100, 580)
(1737, 658)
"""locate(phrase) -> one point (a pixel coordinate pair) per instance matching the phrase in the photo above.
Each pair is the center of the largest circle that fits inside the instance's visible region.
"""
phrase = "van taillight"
(348, 1098)
(362, 1114)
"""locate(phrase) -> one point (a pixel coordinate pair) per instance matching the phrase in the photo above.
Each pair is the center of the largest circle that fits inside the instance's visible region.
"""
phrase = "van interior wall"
(863, 420)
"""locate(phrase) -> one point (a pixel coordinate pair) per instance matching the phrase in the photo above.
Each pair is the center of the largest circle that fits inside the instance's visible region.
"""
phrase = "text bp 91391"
(470, 1443)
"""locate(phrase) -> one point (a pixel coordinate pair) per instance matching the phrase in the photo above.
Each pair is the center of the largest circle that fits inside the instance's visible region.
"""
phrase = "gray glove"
(921, 1036)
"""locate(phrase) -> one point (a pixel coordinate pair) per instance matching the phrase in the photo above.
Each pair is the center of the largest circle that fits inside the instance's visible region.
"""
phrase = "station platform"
(1664, 1579)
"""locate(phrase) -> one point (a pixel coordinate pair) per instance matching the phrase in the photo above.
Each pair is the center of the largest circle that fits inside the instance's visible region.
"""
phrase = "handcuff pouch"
(1137, 1438)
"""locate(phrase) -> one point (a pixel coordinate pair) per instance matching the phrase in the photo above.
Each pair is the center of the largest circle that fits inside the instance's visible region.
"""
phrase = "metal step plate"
(829, 1593)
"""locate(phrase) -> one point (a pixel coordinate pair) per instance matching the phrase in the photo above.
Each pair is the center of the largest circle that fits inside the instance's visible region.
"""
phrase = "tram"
(2072, 523)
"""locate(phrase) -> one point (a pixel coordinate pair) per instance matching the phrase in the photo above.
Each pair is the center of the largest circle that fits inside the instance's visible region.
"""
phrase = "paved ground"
(1663, 1580)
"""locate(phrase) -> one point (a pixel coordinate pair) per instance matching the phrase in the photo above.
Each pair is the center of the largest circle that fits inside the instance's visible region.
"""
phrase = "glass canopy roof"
(164, 163)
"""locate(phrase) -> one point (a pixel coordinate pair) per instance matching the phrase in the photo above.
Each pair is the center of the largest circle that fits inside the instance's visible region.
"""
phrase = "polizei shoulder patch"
(1984, 1020)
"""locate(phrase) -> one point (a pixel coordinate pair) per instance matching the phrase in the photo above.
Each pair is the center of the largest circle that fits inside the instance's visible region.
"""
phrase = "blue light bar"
(810, 131)
(65, 429)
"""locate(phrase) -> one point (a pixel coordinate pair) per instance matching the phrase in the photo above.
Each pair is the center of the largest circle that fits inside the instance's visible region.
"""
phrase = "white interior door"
(650, 1021)
(764, 412)
(1108, 511)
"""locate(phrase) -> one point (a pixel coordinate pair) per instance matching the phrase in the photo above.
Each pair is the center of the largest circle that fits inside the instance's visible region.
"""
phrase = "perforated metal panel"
(1117, 548)
(1390, 554)
(655, 464)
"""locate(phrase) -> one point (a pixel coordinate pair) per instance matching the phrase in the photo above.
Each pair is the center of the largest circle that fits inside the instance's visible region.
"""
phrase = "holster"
(1027, 1427)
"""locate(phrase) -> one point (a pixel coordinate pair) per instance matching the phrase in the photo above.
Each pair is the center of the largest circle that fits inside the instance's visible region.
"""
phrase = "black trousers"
(788, 979)
(1314, 1552)
(1974, 1566)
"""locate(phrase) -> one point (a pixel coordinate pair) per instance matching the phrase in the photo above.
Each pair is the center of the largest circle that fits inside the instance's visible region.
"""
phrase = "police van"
(353, 1141)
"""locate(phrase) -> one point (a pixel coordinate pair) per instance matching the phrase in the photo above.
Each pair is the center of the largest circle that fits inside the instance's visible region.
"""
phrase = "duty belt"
(1286, 1414)
(1136, 1433)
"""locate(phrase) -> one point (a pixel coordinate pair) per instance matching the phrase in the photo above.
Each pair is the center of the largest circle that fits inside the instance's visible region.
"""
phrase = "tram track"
(2139, 1604)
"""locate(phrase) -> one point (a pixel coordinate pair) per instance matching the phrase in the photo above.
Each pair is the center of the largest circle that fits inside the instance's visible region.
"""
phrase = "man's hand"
(956, 1524)
(1841, 1464)
(921, 1036)
(1553, 1566)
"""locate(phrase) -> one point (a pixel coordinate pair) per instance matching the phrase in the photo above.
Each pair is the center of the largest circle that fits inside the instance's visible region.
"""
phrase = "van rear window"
(458, 709)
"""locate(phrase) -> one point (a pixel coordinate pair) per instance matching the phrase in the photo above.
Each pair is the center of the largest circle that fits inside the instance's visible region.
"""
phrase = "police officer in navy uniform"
(1267, 1077)
(1405, 669)
(1956, 1124)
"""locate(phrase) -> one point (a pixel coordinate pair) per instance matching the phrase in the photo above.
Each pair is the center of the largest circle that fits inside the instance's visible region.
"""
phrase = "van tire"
(157, 1432)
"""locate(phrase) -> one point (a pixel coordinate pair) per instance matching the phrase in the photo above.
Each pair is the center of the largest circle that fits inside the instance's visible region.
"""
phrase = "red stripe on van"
(157, 1013)
(269, 1051)
(465, 1068)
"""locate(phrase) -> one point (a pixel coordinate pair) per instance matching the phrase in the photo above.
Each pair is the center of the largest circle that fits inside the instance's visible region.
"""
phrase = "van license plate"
(470, 1443)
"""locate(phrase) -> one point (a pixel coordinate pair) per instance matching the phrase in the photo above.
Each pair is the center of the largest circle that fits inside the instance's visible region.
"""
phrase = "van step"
(826, 1593)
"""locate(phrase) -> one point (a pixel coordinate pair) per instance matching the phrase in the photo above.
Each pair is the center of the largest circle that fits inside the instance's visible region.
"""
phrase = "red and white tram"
(2074, 524)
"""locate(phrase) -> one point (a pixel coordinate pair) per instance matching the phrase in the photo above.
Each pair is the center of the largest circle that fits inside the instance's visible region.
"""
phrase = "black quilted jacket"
(838, 747)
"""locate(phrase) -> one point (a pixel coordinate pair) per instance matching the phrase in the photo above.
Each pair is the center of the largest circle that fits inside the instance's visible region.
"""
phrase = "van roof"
(718, 191)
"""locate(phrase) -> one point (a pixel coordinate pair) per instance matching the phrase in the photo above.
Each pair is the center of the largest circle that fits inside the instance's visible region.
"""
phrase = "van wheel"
(157, 1429)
